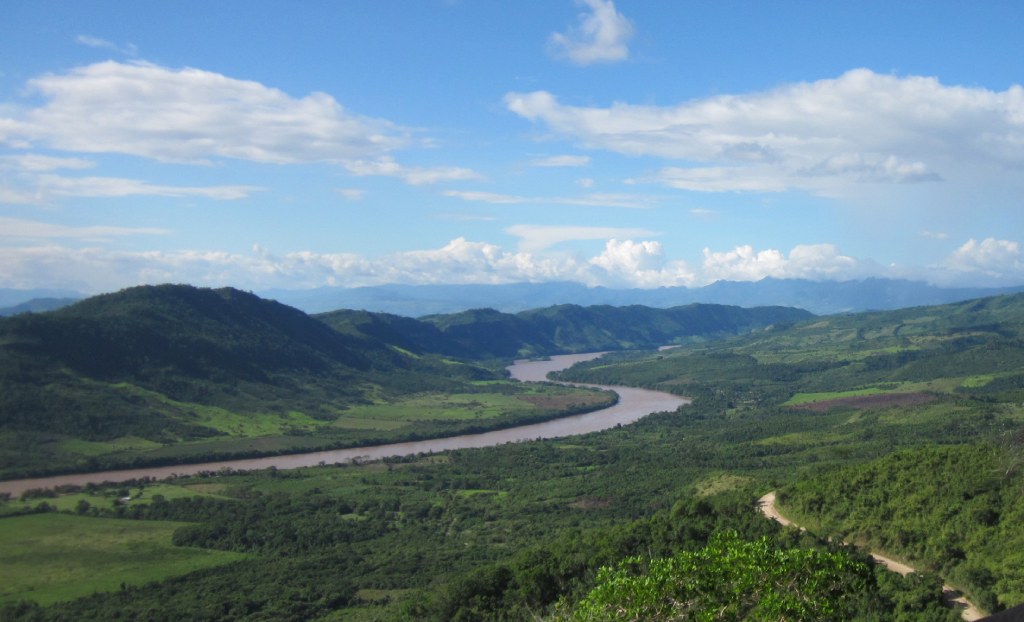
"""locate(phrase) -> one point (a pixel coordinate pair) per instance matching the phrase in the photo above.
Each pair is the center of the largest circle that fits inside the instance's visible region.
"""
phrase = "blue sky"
(635, 143)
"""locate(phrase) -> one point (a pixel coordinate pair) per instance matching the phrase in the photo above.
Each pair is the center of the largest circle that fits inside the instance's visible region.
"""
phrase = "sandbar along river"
(633, 404)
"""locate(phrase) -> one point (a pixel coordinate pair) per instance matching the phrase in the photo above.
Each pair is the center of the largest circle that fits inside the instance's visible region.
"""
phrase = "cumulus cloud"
(627, 263)
(415, 176)
(823, 136)
(990, 261)
(534, 238)
(191, 115)
(624, 262)
(813, 261)
(102, 269)
(601, 35)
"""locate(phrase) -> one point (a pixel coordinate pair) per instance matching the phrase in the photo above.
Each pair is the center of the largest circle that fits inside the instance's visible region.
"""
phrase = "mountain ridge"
(818, 297)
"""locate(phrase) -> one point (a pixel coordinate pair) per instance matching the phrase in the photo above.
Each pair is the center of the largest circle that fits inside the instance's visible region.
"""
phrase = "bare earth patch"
(591, 503)
(869, 402)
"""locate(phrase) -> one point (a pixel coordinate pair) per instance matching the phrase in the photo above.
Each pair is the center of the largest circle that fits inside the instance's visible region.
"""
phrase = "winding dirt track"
(951, 595)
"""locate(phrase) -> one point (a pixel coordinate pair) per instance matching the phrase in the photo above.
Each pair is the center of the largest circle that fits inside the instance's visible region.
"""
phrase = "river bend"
(633, 404)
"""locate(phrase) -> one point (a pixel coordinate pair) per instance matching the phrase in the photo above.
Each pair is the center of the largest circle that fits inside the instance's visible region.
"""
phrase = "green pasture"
(809, 398)
(399, 412)
(436, 406)
(52, 557)
(110, 496)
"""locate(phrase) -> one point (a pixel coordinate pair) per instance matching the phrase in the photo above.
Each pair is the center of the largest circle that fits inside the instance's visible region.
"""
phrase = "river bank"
(633, 404)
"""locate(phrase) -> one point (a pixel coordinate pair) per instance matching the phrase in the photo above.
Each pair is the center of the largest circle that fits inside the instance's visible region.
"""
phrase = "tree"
(730, 579)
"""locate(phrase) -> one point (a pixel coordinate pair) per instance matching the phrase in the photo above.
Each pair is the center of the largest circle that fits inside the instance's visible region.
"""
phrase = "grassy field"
(482, 407)
(54, 557)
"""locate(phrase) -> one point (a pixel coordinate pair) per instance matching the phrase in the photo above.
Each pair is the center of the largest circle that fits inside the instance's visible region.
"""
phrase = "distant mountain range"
(819, 297)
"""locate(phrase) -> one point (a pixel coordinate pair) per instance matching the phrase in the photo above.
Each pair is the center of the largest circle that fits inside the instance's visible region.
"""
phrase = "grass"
(807, 398)
(106, 496)
(52, 557)
(437, 406)
(98, 448)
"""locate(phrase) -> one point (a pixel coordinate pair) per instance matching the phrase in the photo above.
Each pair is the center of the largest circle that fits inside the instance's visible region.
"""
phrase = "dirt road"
(951, 595)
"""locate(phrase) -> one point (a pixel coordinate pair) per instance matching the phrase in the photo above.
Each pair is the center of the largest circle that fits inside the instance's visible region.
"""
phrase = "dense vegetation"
(844, 415)
(485, 333)
(171, 374)
(955, 510)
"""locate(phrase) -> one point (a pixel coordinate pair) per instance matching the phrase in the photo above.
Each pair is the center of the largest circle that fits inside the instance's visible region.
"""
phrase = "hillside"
(172, 373)
(865, 406)
(488, 334)
(834, 398)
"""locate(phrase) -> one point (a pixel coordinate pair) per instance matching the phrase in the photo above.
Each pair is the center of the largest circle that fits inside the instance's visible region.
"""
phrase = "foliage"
(730, 579)
(509, 533)
(954, 510)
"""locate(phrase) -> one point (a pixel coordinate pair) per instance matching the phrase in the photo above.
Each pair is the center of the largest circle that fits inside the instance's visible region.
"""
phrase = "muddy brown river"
(633, 404)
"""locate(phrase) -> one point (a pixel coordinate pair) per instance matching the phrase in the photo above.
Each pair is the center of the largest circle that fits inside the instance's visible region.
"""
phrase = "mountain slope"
(820, 297)
(170, 364)
(480, 334)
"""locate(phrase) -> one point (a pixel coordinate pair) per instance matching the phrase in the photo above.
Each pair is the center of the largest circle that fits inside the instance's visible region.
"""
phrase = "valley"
(850, 418)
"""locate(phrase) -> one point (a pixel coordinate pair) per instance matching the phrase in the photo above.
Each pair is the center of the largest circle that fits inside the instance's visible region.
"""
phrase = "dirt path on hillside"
(952, 596)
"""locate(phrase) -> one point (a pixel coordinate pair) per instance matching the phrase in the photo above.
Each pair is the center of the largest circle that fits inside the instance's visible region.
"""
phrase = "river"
(633, 404)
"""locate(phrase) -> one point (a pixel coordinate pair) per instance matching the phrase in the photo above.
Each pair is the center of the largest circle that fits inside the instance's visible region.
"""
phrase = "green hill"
(151, 368)
(171, 373)
(906, 424)
(481, 334)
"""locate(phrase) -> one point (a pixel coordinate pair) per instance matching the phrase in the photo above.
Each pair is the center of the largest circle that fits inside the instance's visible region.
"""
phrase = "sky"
(627, 143)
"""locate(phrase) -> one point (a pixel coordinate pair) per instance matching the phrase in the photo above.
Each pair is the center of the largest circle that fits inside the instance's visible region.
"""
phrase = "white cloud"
(352, 194)
(824, 136)
(720, 179)
(486, 197)
(813, 261)
(623, 262)
(989, 262)
(415, 176)
(601, 35)
(585, 182)
(628, 201)
(533, 238)
(561, 161)
(53, 185)
(36, 163)
(640, 264)
(935, 235)
(19, 228)
(191, 115)
(103, 44)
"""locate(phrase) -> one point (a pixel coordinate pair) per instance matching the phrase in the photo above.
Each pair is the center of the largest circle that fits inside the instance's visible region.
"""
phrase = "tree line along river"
(633, 404)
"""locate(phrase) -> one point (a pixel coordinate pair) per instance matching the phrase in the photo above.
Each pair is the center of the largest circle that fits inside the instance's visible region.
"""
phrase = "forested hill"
(486, 333)
(175, 373)
(140, 362)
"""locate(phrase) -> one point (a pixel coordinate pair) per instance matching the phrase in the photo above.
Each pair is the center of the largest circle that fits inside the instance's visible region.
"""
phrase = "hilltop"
(173, 373)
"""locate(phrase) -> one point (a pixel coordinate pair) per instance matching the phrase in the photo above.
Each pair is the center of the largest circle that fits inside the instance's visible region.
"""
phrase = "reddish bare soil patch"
(591, 503)
(869, 402)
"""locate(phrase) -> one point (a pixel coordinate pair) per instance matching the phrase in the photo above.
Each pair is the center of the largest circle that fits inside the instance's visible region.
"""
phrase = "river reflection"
(633, 404)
